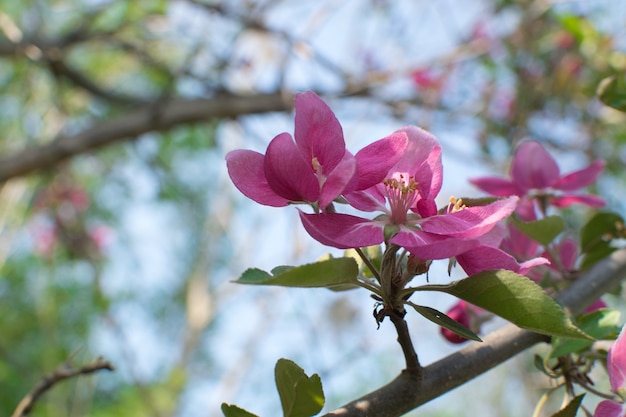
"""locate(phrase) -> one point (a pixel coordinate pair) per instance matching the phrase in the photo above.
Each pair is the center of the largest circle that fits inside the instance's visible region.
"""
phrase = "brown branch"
(149, 118)
(63, 372)
(405, 393)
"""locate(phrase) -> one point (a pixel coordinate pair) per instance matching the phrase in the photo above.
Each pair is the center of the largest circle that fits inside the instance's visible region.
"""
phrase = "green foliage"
(571, 409)
(612, 92)
(230, 410)
(328, 273)
(300, 395)
(443, 320)
(599, 324)
(596, 238)
(515, 298)
(544, 230)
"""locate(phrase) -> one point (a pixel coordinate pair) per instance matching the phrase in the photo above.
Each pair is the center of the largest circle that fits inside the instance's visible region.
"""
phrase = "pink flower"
(466, 314)
(316, 168)
(425, 79)
(535, 174)
(616, 368)
(406, 199)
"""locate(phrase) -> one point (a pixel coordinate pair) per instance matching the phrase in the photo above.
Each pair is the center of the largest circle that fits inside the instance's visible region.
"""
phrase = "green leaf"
(234, 411)
(543, 230)
(300, 395)
(515, 298)
(612, 92)
(596, 237)
(443, 320)
(327, 273)
(570, 409)
(599, 324)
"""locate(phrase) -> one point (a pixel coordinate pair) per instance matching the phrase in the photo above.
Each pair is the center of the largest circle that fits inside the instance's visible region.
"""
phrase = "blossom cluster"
(395, 180)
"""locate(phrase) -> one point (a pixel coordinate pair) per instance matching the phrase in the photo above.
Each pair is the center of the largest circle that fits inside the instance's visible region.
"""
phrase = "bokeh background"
(120, 232)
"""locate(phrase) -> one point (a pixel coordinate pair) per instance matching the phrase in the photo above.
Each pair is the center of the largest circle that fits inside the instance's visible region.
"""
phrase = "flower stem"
(412, 362)
(369, 265)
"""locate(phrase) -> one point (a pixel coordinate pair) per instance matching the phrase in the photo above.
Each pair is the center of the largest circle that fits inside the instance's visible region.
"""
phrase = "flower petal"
(428, 246)
(245, 169)
(488, 258)
(342, 231)
(533, 167)
(375, 160)
(616, 362)
(581, 178)
(337, 180)
(608, 408)
(500, 187)
(288, 173)
(422, 161)
(569, 199)
(472, 221)
(318, 132)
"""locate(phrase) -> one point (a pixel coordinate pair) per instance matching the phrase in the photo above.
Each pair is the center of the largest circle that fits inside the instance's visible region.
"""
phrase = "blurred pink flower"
(466, 314)
(424, 78)
(535, 175)
(616, 368)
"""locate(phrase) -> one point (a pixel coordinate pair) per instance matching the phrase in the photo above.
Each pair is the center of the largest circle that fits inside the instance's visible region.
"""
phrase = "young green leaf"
(230, 410)
(596, 237)
(327, 273)
(599, 324)
(544, 230)
(612, 92)
(300, 395)
(515, 298)
(443, 320)
(571, 408)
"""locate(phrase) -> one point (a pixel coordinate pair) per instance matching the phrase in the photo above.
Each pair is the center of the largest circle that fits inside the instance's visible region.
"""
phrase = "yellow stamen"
(456, 205)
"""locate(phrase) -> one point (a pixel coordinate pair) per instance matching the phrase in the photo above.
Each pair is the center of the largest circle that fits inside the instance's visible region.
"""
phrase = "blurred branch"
(406, 392)
(150, 118)
(63, 372)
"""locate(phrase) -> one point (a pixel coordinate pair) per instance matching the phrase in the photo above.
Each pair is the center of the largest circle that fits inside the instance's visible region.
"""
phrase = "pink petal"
(533, 167)
(616, 362)
(581, 178)
(288, 173)
(367, 200)
(375, 160)
(608, 408)
(500, 187)
(342, 231)
(337, 180)
(245, 169)
(586, 199)
(568, 253)
(317, 131)
(597, 305)
(488, 258)
(422, 160)
(472, 221)
(430, 246)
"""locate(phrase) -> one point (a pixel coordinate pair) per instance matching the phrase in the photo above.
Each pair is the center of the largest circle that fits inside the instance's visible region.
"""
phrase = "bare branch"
(63, 372)
(149, 118)
(405, 393)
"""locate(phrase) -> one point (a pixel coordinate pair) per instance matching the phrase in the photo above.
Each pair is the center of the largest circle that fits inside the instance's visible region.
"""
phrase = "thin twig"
(404, 339)
(63, 372)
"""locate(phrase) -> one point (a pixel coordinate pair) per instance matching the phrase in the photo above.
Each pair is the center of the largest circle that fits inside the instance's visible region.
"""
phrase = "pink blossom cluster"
(394, 182)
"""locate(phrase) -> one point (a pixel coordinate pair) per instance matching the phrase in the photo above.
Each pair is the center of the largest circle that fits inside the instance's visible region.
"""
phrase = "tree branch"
(63, 372)
(405, 393)
(150, 118)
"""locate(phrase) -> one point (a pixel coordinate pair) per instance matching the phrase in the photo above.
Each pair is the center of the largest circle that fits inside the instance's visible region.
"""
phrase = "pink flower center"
(402, 194)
